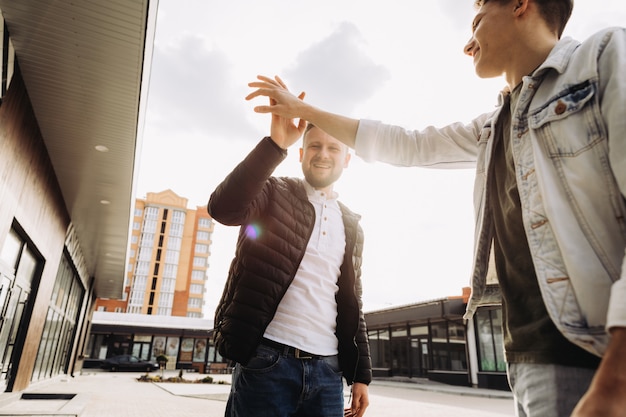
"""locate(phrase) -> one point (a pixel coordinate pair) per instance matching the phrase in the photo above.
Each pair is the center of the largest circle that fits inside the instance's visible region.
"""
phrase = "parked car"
(128, 363)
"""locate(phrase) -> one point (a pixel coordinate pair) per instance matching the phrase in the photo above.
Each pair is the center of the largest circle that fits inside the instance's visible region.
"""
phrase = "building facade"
(71, 111)
(186, 342)
(432, 340)
(168, 259)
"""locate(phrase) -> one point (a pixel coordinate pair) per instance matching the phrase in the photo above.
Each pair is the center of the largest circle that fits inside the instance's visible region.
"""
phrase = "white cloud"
(329, 70)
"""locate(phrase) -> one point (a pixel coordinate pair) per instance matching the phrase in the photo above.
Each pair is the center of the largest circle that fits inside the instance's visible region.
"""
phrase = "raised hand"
(282, 101)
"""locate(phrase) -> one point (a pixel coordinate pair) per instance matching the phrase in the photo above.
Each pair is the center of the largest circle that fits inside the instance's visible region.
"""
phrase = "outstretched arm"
(285, 104)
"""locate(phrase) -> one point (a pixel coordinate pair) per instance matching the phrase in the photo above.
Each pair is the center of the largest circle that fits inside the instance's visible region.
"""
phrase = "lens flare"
(253, 231)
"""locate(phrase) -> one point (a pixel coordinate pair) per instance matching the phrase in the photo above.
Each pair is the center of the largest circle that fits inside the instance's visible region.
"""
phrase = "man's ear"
(520, 7)
(347, 160)
(301, 154)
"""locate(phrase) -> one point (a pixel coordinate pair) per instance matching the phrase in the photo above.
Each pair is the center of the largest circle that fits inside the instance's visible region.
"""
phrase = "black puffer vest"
(276, 221)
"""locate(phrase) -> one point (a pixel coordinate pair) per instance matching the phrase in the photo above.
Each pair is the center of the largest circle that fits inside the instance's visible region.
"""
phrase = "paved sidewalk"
(108, 394)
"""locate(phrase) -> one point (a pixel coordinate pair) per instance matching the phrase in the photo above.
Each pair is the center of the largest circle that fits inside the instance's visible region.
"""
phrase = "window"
(139, 283)
(174, 243)
(170, 271)
(196, 289)
(145, 254)
(205, 223)
(8, 58)
(142, 268)
(490, 340)
(164, 311)
(138, 212)
(198, 275)
(178, 217)
(176, 229)
(380, 348)
(149, 226)
(172, 256)
(61, 320)
(152, 213)
(201, 248)
(204, 236)
(136, 298)
(147, 240)
(168, 285)
(199, 261)
(136, 225)
(448, 346)
(194, 303)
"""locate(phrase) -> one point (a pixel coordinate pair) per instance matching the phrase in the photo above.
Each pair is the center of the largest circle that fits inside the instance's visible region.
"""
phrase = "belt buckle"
(298, 354)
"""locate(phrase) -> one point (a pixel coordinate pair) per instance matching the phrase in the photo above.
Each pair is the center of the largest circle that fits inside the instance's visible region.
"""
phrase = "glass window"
(490, 348)
(178, 217)
(8, 58)
(149, 226)
(194, 302)
(199, 261)
(152, 213)
(202, 248)
(63, 313)
(11, 248)
(205, 223)
(174, 243)
(147, 239)
(196, 289)
(198, 275)
(176, 230)
(172, 256)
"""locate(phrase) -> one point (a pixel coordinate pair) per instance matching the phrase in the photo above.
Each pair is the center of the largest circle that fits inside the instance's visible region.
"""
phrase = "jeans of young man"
(273, 385)
(542, 390)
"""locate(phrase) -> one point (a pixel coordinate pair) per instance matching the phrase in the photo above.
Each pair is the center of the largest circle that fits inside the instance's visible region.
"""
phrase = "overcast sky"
(398, 61)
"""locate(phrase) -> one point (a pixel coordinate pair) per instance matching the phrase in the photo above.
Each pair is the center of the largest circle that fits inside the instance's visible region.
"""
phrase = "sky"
(400, 62)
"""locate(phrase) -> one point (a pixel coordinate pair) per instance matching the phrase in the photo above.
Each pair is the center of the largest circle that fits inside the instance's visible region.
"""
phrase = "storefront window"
(489, 329)
(379, 348)
(449, 352)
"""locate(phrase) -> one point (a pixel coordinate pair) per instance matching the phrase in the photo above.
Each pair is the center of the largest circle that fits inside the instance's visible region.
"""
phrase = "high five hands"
(283, 105)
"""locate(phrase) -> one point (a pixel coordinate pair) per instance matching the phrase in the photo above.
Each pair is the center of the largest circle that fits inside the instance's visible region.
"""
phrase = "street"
(113, 394)
(389, 398)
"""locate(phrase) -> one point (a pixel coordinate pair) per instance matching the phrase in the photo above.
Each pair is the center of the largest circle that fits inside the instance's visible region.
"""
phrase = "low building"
(431, 340)
(187, 342)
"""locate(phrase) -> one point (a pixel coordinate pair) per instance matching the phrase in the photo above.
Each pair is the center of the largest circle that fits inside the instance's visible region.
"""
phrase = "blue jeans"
(547, 390)
(274, 385)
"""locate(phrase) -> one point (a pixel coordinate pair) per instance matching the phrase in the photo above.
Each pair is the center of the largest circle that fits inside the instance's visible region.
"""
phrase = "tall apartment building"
(168, 258)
